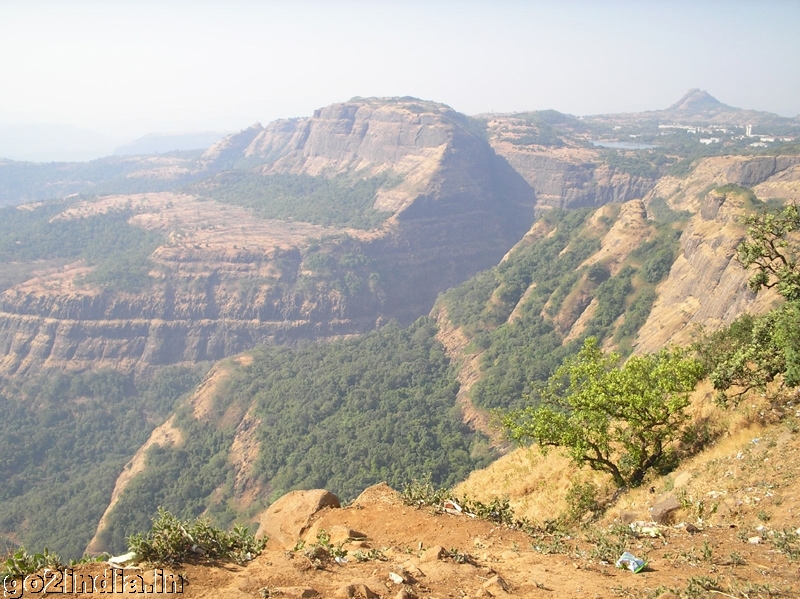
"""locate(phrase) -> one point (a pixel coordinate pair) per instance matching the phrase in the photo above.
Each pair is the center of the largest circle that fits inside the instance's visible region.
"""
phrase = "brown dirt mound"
(440, 555)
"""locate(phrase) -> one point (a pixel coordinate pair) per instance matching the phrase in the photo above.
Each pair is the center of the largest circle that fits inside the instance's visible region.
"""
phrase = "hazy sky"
(126, 68)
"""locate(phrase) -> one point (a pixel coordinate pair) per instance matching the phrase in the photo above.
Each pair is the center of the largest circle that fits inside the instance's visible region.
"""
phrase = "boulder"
(299, 592)
(355, 591)
(436, 552)
(380, 493)
(285, 521)
(661, 512)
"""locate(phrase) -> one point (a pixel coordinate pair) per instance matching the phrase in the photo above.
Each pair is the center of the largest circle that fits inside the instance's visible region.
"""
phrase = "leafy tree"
(618, 420)
(745, 354)
(753, 351)
(771, 252)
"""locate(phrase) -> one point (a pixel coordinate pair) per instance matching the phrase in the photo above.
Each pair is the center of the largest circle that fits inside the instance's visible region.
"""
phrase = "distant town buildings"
(763, 141)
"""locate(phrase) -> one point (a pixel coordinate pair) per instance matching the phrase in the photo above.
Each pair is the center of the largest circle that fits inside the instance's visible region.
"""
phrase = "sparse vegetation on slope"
(118, 251)
(343, 201)
(547, 287)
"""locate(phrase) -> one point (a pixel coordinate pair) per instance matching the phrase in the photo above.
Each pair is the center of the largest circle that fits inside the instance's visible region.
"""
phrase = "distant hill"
(160, 143)
(697, 106)
(51, 142)
(699, 101)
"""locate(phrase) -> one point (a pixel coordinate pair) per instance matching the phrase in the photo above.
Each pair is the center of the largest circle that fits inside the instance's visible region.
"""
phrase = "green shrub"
(173, 541)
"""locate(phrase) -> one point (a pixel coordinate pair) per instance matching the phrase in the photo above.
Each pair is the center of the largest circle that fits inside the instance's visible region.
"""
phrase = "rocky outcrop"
(570, 179)
(706, 285)
(285, 521)
(753, 171)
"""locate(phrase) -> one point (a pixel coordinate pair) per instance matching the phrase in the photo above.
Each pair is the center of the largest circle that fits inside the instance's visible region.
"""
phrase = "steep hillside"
(706, 285)
(639, 275)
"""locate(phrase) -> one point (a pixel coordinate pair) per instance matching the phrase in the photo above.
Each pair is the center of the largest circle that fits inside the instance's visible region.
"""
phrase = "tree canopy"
(616, 419)
(773, 254)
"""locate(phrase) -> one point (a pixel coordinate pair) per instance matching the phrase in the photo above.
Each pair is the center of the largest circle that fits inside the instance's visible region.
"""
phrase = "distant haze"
(121, 70)
(168, 142)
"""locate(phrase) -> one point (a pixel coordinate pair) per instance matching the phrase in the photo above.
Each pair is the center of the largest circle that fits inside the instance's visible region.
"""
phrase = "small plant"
(736, 559)
(461, 558)
(699, 586)
(323, 551)
(555, 545)
(609, 545)
(763, 516)
(324, 541)
(787, 541)
(707, 551)
(172, 541)
(88, 559)
(582, 500)
(368, 556)
(497, 510)
(422, 493)
(22, 563)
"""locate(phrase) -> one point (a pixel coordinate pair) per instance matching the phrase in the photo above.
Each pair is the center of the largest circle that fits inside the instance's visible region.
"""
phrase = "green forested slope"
(541, 280)
(341, 416)
(63, 441)
(340, 201)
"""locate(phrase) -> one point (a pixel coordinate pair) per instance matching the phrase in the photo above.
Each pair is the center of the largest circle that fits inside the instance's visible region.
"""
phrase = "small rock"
(692, 529)
(434, 553)
(341, 534)
(355, 591)
(403, 594)
(410, 570)
(754, 540)
(396, 578)
(681, 480)
(661, 511)
(299, 592)
(496, 583)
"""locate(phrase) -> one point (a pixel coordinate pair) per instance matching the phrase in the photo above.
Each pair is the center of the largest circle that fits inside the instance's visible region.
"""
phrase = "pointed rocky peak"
(696, 101)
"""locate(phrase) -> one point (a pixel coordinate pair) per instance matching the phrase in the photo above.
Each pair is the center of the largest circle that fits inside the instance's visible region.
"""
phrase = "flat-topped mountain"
(316, 227)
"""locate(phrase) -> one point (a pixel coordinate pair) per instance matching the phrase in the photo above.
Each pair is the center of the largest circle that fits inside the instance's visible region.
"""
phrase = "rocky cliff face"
(564, 175)
(562, 180)
(227, 280)
(706, 285)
